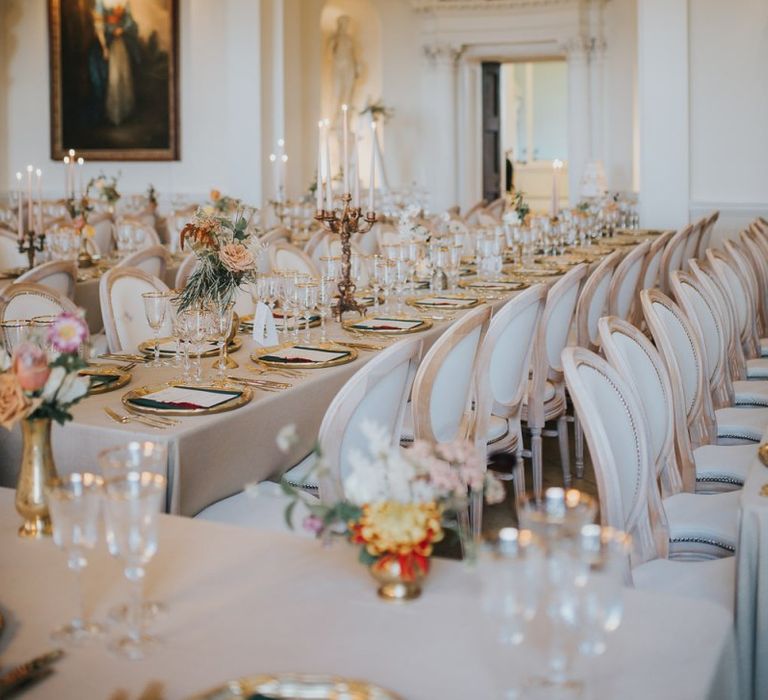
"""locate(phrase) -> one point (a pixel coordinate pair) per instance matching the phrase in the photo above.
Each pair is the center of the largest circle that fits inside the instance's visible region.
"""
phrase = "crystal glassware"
(75, 503)
(307, 301)
(326, 288)
(132, 503)
(156, 311)
(15, 332)
(199, 326)
(222, 319)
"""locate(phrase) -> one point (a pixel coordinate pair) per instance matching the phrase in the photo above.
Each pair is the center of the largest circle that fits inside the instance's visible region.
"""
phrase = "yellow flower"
(88, 230)
(398, 528)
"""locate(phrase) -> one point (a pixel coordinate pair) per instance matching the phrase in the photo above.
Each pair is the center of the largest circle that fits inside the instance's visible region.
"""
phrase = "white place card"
(190, 395)
(264, 331)
(387, 323)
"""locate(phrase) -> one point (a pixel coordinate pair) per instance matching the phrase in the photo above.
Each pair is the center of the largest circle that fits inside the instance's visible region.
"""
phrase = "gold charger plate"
(121, 378)
(638, 232)
(148, 348)
(505, 285)
(424, 324)
(457, 301)
(569, 259)
(593, 251)
(619, 241)
(247, 322)
(246, 394)
(350, 356)
(762, 453)
(297, 686)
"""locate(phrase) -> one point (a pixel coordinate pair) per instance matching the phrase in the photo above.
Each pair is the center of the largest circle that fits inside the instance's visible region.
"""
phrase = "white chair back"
(626, 282)
(706, 234)
(103, 232)
(618, 444)
(137, 231)
(740, 262)
(672, 257)
(757, 257)
(284, 256)
(691, 247)
(593, 300)
(59, 275)
(122, 308)
(24, 301)
(441, 389)
(185, 271)
(175, 222)
(376, 393)
(153, 260)
(276, 235)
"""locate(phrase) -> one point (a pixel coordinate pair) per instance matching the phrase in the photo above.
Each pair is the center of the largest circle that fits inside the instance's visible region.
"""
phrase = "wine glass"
(75, 502)
(307, 301)
(133, 501)
(15, 332)
(156, 310)
(401, 272)
(199, 328)
(378, 278)
(326, 288)
(329, 266)
(222, 319)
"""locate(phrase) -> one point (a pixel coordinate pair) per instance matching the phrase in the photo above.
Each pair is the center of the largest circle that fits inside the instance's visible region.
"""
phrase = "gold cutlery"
(123, 357)
(165, 420)
(266, 384)
(360, 345)
(289, 373)
(31, 670)
(143, 420)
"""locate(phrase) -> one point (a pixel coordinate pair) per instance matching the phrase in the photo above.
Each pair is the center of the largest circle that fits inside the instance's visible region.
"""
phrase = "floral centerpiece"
(39, 383)
(227, 251)
(223, 203)
(106, 188)
(398, 503)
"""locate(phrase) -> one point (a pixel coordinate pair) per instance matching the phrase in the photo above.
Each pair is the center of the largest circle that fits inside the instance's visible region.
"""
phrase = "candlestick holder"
(31, 243)
(345, 222)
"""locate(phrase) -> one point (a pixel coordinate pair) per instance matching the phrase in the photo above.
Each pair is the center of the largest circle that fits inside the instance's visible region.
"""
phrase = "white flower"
(72, 388)
(287, 437)
(53, 384)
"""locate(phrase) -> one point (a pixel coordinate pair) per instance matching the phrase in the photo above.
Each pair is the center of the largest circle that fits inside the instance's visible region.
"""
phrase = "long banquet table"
(242, 602)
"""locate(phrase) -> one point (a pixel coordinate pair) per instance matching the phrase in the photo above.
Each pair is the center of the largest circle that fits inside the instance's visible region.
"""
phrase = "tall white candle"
(345, 137)
(30, 170)
(66, 177)
(283, 169)
(80, 164)
(356, 175)
(555, 204)
(319, 183)
(328, 169)
(275, 183)
(19, 206)
(372, 184)
(39, 174)
(72, 172)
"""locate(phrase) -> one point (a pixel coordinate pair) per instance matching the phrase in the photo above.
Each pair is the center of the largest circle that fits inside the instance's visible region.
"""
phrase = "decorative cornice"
(432, 5)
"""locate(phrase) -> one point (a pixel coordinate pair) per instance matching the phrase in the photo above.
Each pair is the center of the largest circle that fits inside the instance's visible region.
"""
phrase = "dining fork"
(289, 373)
(143, 420)
(170, 422)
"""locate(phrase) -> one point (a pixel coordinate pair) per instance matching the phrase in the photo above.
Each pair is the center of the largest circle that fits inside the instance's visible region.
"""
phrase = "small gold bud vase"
(37, 471)
(394, 583)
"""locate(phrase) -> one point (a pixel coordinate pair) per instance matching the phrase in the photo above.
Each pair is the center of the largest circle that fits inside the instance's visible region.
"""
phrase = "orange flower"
(215, 195)
(14, 405)
(202, 234)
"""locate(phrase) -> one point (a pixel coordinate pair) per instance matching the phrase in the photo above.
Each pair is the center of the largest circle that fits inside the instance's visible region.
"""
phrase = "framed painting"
(114, 79)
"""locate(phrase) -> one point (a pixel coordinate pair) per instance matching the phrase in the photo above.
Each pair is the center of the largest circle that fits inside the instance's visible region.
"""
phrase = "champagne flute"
(378, 279)
(222, 320)
(156, 310)
(199, 329)
(15, 332)
(326, 288)
(75, 503)
(307, 296)
(133, 501)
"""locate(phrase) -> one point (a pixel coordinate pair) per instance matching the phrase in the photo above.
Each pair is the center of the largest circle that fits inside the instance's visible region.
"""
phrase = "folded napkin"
(304, 354)
(388, 324)
(181, 397)
(99, 379)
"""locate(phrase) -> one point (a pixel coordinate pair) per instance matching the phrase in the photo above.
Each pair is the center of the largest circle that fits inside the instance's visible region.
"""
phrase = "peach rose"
(30, 365)
(236, 257)
(215, 195)
(13, 404)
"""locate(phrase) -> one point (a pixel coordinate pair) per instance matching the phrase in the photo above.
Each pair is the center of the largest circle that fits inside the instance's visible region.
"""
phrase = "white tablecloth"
(242, 601)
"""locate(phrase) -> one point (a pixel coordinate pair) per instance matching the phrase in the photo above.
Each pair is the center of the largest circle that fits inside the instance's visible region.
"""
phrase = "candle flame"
(18, 176)
(38, 172)
(272, 157)
(66, 160)
(320, 124)
(30, 168)
(285, 158)
(281, 142)
(557, 164)
(344, 108)
(71, 152)
(80, 161)
(326, 122)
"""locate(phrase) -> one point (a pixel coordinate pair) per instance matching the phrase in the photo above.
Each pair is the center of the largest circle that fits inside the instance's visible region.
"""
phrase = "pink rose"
(236, 257)
(30, 365)
(313, 524)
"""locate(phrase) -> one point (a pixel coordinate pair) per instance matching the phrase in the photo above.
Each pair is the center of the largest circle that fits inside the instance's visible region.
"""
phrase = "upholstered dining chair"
(284, 256)
(672, 258)
(122, 308)
(279, 234)
(699, 524)
(757, 257)
(153, 260)
(376, 393)
(592, 304)
(691, 247)
(740, 259)
(59, 275)
(26, 300)
(103, 232)
(546, 393)
(679, 342)
(137, 229)
(649, 276)
(617, 435)
(501, 373)
(706, 234)
(622, 295)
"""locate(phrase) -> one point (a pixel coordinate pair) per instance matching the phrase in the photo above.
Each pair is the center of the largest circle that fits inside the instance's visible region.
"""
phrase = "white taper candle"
(372, 183)
(345, 137)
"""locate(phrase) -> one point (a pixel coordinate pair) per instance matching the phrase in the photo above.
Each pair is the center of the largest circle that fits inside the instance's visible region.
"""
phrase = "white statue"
(346, 68)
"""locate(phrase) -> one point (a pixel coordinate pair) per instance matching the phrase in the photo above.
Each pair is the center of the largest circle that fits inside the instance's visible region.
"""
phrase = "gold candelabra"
(345, 222)
(31, 243)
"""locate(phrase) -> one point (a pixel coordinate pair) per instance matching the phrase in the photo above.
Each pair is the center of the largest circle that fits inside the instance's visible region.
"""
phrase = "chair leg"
(565, 457)
(578, 435)
(536, 464)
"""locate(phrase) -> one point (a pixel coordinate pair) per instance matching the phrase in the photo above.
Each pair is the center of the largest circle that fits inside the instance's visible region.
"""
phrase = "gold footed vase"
(394, 583)
(37, 471)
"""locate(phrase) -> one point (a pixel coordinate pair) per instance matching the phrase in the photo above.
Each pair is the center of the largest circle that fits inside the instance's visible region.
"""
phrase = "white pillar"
(441, 136)
(579, 130)
(470, 136)
(663, 111)
(596, 72)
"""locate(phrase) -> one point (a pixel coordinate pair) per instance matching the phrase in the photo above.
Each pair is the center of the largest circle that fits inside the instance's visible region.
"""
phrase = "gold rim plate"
(292, 686)
(535, 270)
(148, 348)
(121, 378)
(244, 398)
(507, 285)
(246, 322)
(351, 325)
(351, 356)
(457, 301)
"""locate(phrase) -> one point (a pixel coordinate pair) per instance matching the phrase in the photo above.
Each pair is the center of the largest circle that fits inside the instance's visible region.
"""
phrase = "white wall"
(219, 91)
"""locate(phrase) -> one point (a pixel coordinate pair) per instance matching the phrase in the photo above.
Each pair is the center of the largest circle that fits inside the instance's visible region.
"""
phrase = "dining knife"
(17, 676)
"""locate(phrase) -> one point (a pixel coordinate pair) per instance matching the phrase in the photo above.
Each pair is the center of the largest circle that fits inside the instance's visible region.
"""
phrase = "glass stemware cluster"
(129, 495)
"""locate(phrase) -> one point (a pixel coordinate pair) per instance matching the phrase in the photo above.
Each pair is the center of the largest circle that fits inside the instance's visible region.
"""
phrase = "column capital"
(576, 48)
(443, 54)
